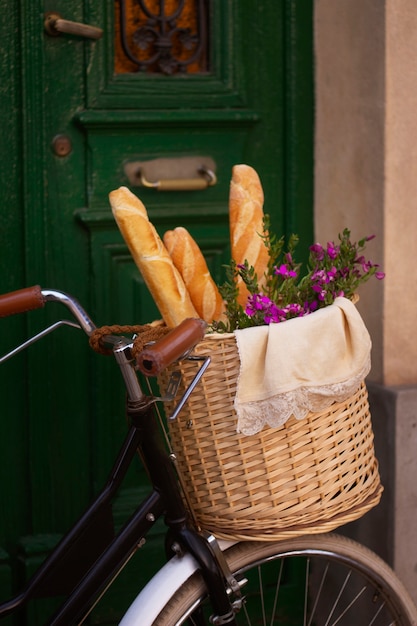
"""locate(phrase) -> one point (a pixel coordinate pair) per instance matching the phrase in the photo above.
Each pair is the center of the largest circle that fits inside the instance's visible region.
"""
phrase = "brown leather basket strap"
(156, 357)
(22, 300)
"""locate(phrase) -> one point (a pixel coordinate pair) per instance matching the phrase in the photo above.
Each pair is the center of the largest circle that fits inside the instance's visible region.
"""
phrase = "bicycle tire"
(380, 598)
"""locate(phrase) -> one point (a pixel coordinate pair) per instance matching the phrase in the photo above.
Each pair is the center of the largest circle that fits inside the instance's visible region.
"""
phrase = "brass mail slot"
(173, 174)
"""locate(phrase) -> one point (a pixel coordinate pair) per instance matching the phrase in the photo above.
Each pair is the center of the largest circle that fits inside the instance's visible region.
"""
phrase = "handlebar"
(177, 343)
(31, 298)
(20, 301)
(151, 361)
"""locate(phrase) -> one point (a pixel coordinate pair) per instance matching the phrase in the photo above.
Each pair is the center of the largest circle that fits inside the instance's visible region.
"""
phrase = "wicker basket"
(306, 476)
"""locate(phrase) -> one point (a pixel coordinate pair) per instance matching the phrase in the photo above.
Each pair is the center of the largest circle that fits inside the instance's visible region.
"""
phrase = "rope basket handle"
(146, 333)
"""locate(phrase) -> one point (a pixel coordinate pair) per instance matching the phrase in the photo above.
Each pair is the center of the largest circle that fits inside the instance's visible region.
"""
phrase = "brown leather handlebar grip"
(21, 301)
(156, 357)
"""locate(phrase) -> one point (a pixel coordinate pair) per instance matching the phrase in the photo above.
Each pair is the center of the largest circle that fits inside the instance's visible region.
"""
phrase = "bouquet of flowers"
(286, 291)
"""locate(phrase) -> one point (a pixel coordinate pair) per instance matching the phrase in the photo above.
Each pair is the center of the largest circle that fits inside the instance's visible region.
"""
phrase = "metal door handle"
(206, 179)
(181, 173)
(55, 25)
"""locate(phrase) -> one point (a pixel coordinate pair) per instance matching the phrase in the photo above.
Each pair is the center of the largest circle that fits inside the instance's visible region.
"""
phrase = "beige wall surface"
(366, 160)
(349, 147)
(400, 302)
(366, 179)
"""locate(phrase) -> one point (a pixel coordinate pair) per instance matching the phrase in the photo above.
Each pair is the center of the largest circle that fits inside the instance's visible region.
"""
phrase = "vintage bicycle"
(205, 580)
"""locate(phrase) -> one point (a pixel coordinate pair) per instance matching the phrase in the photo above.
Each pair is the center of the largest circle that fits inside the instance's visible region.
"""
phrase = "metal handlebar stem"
(125, 361)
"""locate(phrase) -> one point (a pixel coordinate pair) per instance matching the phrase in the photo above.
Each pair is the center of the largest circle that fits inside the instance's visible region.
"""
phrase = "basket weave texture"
(307, 476)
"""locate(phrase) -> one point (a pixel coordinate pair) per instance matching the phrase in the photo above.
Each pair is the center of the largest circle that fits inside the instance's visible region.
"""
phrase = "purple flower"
(257, 302)
(274, 315)
(271, 312)
(289, 292)
(324, 277)
(331, 274)
(285, 271)
(321, 293)
(366, 265)
(319, 276)
(332, 250)
(317, 250)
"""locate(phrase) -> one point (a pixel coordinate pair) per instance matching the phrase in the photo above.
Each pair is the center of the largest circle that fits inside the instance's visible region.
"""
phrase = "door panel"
(252, 103)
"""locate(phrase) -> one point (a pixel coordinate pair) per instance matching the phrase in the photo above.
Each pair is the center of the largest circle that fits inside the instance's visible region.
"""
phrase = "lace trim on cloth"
(275, 411)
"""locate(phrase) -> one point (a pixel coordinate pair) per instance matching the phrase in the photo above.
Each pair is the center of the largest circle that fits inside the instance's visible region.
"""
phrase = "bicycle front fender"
(152, 599)
(160, 589)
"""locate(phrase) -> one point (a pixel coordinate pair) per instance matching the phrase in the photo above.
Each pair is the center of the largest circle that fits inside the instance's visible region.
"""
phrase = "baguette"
(151, 257)
(191, 264)
(246, 224)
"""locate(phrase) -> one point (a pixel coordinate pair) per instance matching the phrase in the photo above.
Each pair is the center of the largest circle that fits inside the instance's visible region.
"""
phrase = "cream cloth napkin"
(301, 365)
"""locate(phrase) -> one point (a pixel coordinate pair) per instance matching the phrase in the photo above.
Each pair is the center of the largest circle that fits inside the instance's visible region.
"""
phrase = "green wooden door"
(74, 114)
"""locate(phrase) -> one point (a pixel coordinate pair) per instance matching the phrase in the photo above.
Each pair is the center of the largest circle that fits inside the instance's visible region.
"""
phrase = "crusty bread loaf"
(190, 262)
(246, 223)
(151, 257)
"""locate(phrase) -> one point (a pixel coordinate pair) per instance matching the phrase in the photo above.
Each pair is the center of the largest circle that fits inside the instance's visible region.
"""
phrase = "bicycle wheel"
(319, 580)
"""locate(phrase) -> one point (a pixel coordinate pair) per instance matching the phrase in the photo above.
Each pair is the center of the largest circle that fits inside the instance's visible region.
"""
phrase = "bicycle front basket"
(307, 476)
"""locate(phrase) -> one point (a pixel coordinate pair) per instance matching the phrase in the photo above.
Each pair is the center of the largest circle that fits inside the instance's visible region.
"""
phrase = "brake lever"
(38, 336)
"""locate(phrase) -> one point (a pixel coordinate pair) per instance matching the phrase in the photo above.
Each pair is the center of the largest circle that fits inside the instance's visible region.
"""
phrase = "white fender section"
(155, 595)
(151, 600)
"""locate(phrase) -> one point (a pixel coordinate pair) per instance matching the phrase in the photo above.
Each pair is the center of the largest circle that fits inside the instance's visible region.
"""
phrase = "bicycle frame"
(90, 555)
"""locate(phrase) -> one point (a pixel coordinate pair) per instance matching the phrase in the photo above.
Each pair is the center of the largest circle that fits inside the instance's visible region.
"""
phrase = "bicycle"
(204, 580)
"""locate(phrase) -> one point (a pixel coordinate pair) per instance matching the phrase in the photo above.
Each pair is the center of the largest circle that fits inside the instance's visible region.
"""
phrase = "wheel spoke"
(261, 590)
(277, 588)
(344, 612)
(376, 614)
(338, 598)
(248, 621)
(306, 587)
(318, 594)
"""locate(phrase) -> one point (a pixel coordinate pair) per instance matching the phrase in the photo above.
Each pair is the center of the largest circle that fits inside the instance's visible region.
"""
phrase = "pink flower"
(257, 302)
(317, 250)
(332, 250)
(321, 293)
(285, 271)
(331, 274)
